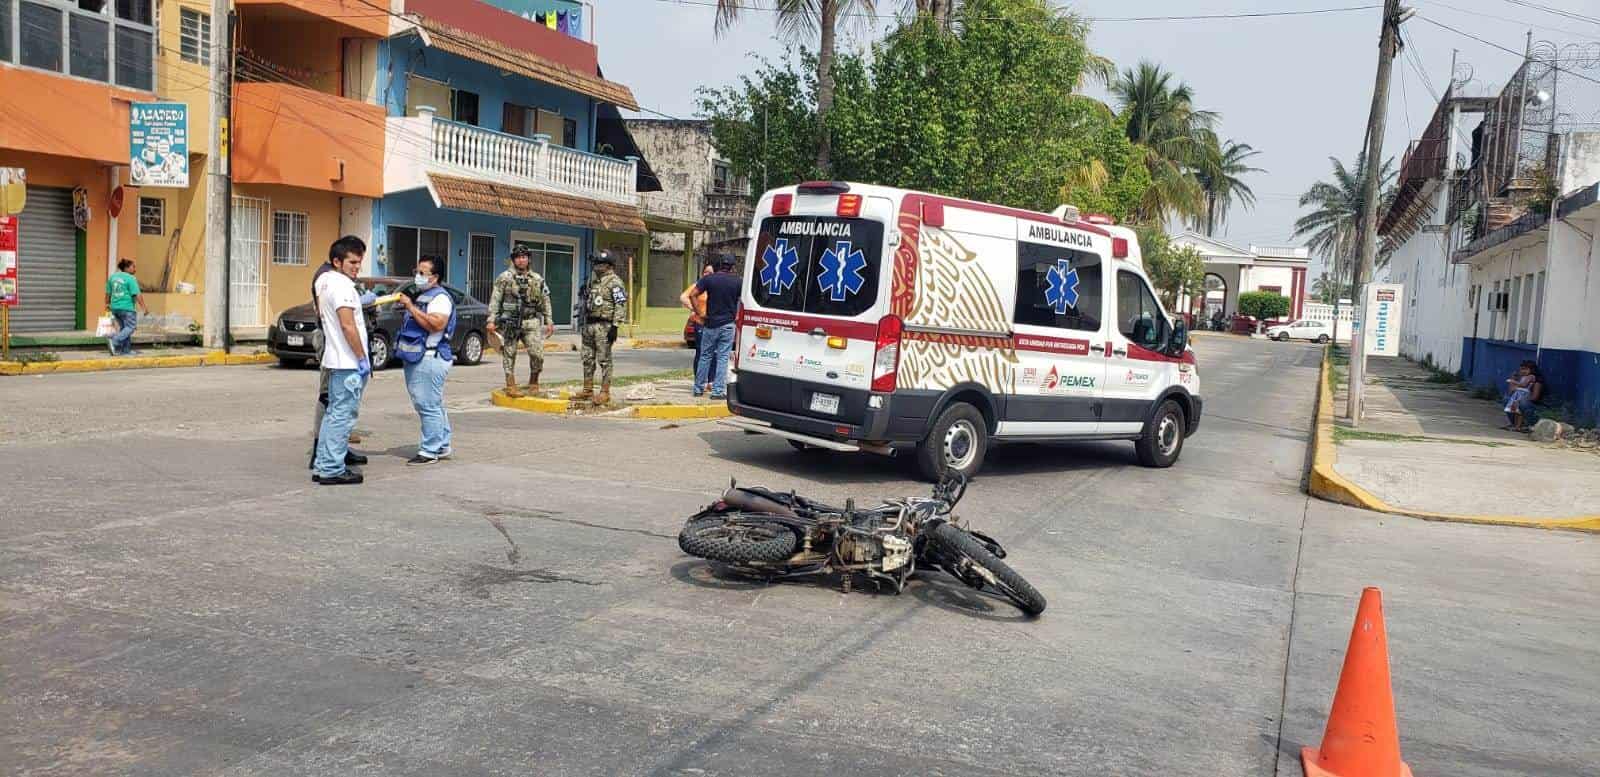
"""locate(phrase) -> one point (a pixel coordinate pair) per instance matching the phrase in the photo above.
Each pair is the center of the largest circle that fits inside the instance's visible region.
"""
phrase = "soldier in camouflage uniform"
(520, 313)
(604, 307)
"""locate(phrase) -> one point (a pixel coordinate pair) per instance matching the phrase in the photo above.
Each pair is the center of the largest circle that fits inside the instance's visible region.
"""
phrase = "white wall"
(1282, 277)
(1438, 314)
(1572, 289)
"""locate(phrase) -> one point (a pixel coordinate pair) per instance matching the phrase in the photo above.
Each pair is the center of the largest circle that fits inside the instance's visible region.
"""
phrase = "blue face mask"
(421, 281)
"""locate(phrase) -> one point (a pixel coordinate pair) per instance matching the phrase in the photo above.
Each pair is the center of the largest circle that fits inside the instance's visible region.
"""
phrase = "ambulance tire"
(957, 443)
(1162, 440)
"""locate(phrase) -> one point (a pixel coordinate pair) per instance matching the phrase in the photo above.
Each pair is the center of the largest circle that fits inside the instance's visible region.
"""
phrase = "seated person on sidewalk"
(1523, 388)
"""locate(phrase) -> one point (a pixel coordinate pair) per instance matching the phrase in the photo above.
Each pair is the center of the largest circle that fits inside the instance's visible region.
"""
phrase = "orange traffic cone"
(1362, 739)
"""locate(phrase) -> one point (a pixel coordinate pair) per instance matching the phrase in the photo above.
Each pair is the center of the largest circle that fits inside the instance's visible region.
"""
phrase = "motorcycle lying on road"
(765, 533)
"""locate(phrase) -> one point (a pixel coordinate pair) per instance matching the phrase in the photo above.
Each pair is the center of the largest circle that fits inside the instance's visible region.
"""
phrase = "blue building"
(492, 125)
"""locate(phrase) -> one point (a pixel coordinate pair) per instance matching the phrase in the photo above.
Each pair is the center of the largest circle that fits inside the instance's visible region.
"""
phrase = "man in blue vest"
(423, 346)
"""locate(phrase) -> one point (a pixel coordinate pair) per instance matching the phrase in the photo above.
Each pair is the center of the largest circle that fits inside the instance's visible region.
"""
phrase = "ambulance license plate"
(825, 403)
(295, 339)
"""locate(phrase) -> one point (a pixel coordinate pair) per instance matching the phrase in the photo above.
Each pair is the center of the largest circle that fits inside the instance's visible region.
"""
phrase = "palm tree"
(1161, 119)
(1322, 287)
(1219, 168)
(1332, 227)
(798, 18)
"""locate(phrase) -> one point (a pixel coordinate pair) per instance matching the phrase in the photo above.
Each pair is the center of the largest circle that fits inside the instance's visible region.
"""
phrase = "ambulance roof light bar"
(823, 187)
(1067, 214)
(1099, 218)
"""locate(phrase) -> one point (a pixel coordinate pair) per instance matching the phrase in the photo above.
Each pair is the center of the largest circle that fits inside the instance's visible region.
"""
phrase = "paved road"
(177, 598)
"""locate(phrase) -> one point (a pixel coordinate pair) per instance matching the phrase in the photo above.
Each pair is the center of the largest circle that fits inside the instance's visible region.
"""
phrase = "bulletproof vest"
(525, 302)
(411, 341)
(601, 303)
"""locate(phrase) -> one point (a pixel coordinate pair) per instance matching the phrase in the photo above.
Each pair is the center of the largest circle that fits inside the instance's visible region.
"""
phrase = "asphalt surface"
(177, 598)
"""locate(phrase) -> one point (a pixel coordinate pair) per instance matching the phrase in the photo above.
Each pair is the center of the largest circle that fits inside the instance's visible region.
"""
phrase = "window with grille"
(289, 237)
(152, 216)
(194, 36)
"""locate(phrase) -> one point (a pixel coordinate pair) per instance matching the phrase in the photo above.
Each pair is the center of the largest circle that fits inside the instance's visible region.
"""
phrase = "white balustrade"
(454, 148)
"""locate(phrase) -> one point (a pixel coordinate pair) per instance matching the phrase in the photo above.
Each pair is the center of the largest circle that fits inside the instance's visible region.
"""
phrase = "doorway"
(556, 259)
(480, 266)
(247, 280)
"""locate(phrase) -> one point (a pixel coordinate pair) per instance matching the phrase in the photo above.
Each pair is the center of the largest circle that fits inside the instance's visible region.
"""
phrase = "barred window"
(194, 36)
(152, 216)
(289, 237)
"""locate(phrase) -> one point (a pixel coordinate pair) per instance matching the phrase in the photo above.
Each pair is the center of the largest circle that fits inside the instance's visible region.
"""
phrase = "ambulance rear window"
(822, 265)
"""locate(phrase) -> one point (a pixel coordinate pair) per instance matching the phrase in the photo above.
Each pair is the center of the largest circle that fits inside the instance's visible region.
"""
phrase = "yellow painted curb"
(212, 359)
(1327, 484)
(530, 404)
(681, 412)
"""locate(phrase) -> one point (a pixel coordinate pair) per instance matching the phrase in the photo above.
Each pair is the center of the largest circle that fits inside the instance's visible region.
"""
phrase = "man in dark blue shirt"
(721, 289)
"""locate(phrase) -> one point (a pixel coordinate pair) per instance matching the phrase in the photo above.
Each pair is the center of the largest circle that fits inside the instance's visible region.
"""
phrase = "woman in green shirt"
(122, 294)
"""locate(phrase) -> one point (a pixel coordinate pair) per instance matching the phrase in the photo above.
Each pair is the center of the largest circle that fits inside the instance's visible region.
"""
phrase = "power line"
(1555, 11)
(1459, 9)
(1519, 54)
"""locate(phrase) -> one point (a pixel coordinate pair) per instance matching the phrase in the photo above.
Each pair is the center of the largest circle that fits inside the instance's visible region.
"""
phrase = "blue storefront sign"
(158, 144)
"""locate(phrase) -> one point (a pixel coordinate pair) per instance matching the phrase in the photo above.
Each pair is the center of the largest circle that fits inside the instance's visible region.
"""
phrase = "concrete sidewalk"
(1432, 447)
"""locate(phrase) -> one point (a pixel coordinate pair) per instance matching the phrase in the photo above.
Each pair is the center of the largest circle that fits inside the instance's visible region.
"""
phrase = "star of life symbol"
(1062, 291)
(842, 271)
(778, 265)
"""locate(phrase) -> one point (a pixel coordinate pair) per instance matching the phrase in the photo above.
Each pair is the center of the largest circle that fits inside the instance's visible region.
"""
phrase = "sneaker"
(719, 396)
(448, 452)
(699, 394)
(130, 352)
(351, 457)
(420, 460)
(345, 478)
(112, 347)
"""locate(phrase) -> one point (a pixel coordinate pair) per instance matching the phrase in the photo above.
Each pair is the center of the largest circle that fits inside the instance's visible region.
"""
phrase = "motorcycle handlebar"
(950, 490)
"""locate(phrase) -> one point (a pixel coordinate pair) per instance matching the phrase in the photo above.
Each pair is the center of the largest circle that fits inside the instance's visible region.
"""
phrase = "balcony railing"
(82, 39)
(423, 144)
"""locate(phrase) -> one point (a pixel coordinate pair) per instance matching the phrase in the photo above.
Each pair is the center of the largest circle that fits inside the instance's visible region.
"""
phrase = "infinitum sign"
(1383, 318)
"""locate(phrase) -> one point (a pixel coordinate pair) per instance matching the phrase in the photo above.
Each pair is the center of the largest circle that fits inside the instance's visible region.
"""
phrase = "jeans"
(425, 384)
(122, 341)
(714, 347)
(344, 406)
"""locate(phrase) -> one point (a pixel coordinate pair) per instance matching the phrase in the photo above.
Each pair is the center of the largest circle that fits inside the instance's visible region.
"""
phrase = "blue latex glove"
(368, 299)
(364, 369)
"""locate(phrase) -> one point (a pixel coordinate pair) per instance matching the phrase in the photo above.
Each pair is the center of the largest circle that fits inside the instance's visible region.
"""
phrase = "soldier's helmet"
(520, 251)
(603, 257)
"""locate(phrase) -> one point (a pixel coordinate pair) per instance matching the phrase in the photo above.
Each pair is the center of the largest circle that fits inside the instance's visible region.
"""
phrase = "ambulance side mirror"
(1180, 338)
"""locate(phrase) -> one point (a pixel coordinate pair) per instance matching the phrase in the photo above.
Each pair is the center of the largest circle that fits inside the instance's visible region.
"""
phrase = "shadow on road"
(767, 452)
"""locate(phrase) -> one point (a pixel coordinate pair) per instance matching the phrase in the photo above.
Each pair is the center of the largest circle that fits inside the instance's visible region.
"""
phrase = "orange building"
(67, 128)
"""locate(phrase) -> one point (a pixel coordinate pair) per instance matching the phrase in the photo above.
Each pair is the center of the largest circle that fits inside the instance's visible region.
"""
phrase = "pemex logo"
(1052, 379)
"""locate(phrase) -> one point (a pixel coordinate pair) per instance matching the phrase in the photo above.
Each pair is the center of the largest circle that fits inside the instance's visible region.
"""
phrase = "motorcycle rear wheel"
(742, 541)
(959, 543)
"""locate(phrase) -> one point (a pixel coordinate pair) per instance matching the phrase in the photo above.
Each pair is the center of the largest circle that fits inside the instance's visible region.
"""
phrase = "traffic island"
(658, 400)
(108, 363)
(1459, 456)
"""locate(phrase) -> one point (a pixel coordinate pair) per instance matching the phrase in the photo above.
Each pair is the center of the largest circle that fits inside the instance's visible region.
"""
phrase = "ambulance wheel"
(957, 443)
(1163, 437)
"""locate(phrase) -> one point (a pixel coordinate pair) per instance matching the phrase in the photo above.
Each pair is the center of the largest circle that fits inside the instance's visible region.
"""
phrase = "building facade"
(698, 189)
(1231, 270)
(1491, 233)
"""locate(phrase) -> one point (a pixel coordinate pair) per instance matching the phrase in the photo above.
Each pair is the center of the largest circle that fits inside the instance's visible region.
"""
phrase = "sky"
(1297, 88)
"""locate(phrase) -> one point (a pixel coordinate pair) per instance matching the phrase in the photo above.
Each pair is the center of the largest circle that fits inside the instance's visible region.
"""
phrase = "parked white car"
(1304, 329)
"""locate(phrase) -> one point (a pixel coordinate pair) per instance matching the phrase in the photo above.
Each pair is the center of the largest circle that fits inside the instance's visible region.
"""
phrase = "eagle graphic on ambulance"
(880, 319)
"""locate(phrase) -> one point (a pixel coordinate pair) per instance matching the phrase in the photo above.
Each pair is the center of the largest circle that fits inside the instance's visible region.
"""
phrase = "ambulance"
(883, 320)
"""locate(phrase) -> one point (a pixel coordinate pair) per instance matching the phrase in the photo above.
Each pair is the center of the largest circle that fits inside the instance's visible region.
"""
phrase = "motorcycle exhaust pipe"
(752, 503)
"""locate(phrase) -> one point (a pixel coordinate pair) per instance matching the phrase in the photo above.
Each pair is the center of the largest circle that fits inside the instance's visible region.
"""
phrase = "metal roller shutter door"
(47, 263)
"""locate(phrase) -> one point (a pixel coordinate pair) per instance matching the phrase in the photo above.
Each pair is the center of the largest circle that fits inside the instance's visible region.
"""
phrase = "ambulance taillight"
(886, 354)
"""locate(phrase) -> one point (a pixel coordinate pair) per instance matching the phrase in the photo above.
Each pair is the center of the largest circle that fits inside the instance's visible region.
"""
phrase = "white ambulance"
(876, 319)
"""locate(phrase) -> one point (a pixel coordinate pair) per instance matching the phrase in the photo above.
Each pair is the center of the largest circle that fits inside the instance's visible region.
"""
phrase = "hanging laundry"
(561, 22)
(575, 23)
(539, 18)
(550, 20)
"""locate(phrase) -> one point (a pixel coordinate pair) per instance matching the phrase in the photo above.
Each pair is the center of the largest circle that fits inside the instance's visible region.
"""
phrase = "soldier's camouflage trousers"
(597, 350)
(532, 336)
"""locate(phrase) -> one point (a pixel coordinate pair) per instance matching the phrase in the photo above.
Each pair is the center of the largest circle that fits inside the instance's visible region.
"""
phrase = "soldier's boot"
(604, 397)
(588, 389)
(533, 382)
(511, 386)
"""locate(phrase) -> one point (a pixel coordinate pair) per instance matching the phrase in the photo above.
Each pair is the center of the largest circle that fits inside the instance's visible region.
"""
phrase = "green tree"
(984, 109)
(1219, 168)
(1263, 305)
(1173, 270)
(1324, 289)
(797, 19)
(1332, 224)
(1160, 118)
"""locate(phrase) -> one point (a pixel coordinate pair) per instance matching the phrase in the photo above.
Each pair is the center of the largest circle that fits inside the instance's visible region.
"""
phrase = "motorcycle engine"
(858, 550)
(896, 552)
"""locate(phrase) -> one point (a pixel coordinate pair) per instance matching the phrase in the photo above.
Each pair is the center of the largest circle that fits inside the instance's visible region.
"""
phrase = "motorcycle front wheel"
(960, 545)
(738, 538)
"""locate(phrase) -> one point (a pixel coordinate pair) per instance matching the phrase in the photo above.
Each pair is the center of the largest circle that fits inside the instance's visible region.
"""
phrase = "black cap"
(726, 262)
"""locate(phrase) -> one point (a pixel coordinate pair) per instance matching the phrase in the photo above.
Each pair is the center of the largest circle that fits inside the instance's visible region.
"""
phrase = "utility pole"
(1388, 45)
(218, 198)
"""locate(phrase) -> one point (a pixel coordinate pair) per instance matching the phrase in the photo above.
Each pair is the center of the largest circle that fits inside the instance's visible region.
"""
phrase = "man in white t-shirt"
(423, 345)
(344, 355)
